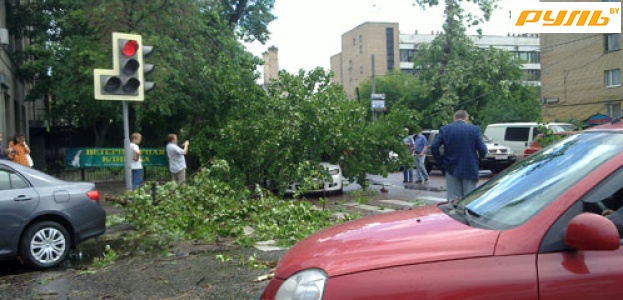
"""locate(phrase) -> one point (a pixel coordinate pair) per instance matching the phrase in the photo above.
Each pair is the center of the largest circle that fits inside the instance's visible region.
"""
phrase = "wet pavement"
(392, 187)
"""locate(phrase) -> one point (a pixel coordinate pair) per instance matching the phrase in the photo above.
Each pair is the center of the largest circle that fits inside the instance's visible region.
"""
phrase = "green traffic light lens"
(131, 86)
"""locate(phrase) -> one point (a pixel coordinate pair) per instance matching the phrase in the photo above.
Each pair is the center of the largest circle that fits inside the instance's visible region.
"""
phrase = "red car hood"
(403, 238)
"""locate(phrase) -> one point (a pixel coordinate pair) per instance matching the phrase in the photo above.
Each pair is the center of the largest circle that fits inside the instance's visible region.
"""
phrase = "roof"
(610, 126)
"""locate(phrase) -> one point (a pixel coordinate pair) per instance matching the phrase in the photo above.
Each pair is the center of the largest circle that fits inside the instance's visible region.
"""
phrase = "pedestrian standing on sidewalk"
(407, 169)
(462, 145)
(137, 162)
(18, 150)
(177, 161)
(421, 145)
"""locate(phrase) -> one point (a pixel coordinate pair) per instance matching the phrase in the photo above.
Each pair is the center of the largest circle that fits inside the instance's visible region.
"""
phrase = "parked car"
(42, 217)
(335, 186)
(498, 158)
(518, 136)
(536, 231)
(535, 146)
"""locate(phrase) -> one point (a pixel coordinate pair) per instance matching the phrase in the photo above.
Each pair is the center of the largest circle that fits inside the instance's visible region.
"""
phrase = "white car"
(498, 158)
(335, 186)
(518, 136)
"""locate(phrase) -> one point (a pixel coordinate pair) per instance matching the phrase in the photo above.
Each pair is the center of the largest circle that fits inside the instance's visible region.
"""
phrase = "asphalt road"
(392, 187)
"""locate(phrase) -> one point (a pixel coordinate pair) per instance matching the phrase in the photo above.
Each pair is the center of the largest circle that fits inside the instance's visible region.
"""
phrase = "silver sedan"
(43, 217)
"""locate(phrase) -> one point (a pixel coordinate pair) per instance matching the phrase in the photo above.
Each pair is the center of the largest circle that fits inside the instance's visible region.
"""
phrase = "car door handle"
(22, 198)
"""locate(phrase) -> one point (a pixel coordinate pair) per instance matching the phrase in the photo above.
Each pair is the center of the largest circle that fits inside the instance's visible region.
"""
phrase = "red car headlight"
(304, 285)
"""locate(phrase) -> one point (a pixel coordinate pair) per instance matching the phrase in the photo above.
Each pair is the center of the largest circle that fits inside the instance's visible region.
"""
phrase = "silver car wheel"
(47, 245)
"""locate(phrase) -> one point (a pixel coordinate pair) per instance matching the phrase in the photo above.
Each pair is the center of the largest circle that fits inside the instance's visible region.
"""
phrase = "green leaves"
(208, 208)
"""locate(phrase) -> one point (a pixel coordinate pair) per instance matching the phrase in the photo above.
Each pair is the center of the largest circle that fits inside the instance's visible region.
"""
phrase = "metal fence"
(152, 173)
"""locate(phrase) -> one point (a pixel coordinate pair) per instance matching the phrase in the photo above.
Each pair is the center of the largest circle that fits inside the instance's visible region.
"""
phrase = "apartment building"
(14, 111)
(362, 47)
(581, 76)
(394, 50)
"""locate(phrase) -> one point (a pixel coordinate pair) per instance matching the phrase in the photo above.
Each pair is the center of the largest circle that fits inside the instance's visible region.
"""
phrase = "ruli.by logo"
(568, 17)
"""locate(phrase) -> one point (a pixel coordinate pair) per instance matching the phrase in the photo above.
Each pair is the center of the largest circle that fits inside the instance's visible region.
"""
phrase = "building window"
(406, 55)
(360, 69)
(389, 37)
(613, 110)
(612, 78)
(360, 49)
(612, 42)
(530, 57)
(354, 41)
(360, 39)
(532, 75)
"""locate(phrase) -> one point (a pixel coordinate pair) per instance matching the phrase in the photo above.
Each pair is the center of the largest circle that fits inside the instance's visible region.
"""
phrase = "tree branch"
(237, 14)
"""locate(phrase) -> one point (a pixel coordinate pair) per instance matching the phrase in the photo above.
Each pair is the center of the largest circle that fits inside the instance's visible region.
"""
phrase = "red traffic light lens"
(130, 48)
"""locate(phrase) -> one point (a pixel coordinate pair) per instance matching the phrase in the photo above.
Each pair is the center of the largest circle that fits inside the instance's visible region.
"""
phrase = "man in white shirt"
(137, 164)
(177, 161)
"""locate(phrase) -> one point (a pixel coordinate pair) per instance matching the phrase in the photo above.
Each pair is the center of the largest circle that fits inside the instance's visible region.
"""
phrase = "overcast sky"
(308, 32)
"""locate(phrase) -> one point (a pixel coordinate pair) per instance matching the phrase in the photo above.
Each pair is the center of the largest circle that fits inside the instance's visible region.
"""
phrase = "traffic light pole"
(125, 82)
(126, 147)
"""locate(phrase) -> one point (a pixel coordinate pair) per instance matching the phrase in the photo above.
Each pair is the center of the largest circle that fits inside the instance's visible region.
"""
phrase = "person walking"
(407, 169)
(177, 161)
(18, 150)
(137, 162)
(462, 145)
(421, 145)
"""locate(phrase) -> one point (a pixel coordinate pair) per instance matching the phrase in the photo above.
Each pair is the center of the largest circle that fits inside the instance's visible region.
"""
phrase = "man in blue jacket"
(462, 145)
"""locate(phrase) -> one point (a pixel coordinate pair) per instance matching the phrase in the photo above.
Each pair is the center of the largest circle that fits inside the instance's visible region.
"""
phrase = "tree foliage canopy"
(202, 69)
(302, 121)
(453, 73)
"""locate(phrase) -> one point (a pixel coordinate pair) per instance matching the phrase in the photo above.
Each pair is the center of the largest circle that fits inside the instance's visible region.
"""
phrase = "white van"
(518, 136)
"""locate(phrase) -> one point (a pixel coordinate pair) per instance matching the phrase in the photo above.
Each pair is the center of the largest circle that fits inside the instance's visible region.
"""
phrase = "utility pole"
(373, 88)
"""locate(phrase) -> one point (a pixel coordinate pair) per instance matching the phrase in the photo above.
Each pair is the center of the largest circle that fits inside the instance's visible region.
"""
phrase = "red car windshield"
(526, 188)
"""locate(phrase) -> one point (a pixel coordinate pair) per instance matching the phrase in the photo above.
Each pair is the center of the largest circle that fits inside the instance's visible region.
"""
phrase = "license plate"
(501, 157)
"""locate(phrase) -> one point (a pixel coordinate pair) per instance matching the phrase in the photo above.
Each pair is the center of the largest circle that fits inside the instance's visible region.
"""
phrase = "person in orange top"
(18, 149)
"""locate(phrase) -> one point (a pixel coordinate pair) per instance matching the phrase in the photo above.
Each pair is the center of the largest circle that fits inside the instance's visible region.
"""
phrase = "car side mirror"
(589, 231)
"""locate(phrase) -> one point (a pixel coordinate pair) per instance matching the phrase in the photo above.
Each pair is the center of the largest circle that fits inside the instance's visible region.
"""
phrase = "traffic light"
(126, 81)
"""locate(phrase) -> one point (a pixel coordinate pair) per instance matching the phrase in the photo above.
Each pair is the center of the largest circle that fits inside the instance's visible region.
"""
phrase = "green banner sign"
(111, 157)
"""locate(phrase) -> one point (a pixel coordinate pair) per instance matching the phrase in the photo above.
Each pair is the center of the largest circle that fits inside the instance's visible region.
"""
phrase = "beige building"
(271, 65)
(581, 75)
(394, 50)
(354, 64)
(15, 113)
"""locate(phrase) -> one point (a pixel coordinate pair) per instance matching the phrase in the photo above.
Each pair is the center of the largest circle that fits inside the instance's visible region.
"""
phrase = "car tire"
(44, 245)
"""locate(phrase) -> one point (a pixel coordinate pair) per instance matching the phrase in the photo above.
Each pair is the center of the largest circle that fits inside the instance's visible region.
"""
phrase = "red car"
(536, 231)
